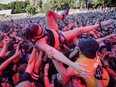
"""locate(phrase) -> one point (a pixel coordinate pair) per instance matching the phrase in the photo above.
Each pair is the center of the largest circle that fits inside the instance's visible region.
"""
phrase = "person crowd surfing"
(59, 50)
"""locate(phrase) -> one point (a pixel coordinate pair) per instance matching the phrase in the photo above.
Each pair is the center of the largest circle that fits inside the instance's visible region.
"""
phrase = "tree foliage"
(16, 6)
(61, 4)
(24, 6)
(4, 6)
(97, 2)
(31, 9)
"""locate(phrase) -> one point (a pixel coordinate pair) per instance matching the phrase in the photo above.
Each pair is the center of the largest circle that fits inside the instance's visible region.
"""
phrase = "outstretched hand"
(83, 72)
(17, 52)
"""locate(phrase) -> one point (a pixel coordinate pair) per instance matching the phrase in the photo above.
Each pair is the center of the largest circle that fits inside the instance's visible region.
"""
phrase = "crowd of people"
(77, 50)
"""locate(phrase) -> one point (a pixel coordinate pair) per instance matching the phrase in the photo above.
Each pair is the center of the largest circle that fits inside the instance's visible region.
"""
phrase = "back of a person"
(91, 65)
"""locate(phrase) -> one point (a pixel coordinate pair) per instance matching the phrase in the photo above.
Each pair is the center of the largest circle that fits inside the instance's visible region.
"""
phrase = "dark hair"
(10, 45)
(31, 31)
(114, 43)
(102, 47)
(25, 46)
(88, 47)
(5, 28)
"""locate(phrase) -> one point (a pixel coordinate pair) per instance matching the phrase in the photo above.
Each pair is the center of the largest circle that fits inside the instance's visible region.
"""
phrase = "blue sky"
(8, 1)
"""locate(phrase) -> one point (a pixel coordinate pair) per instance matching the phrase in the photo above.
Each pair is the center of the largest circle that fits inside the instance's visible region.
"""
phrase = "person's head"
(76, 81)
(88, 47)
(12, 45)
(5, 82)
(107, 40)
(13, 33)
(25, 48)
(5, 28)
(32, 32)
(110, 29)
(103, 49)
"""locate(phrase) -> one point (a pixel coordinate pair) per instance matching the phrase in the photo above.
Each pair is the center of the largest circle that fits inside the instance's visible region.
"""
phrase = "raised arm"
(62, 70)
(20, 39)
(106, 37)
(38, 62)
(17, 38)
(35, 74)
(8, 61)
(31, 61)
(53, 53)
(4, 49)
(46, 79)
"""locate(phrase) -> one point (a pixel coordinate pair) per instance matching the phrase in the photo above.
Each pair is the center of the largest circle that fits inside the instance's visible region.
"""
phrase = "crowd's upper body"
(20, 62)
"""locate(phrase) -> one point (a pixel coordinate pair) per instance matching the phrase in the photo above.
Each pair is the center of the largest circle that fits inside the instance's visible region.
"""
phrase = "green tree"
(12, 5)
(18, 6)
(27, 2)
(58, 4)
(110, 2)
(31, 9)
(97, 3)
(1, 7)
(4, 6)
(40, 3)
